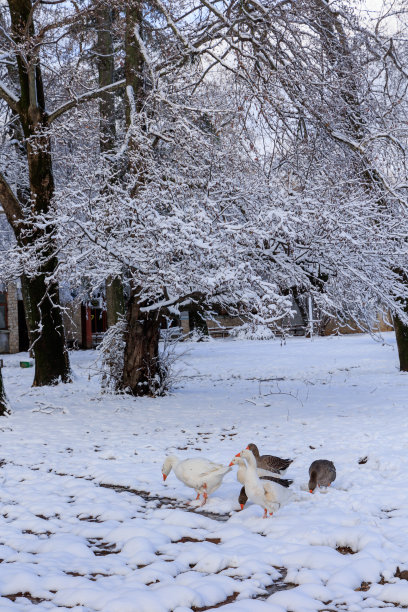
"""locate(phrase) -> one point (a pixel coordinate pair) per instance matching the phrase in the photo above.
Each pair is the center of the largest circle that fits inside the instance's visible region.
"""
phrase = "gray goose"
(269, 462)
(322, 473)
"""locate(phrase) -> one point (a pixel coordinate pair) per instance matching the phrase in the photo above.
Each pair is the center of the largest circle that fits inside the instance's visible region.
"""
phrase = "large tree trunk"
(141, 372)
(46, 331)
(401, 334)
(41, 299)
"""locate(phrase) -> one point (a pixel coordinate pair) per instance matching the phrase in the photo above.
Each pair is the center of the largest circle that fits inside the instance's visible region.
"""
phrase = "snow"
(87, 523)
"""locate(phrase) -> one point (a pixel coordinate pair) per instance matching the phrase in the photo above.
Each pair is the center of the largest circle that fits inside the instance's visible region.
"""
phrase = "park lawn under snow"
(86, 522)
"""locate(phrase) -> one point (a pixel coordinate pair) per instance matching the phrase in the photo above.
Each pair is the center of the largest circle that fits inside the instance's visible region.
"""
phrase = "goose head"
(249, 456)
(312, 481)
(254, 449)
(237, 460)
(168, 465)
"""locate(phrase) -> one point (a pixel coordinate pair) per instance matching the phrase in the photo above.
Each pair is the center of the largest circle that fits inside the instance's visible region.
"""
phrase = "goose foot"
(265, 513)
(194, 500)
(205, 495)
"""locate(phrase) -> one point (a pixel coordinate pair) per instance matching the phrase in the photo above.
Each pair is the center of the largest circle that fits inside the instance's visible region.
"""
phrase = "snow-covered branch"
(85, 97)
(9, 96)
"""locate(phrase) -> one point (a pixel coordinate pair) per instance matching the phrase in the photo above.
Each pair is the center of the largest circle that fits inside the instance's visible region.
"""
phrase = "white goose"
(265, 493)
(200, 474)
(242, 468)
(263, 475)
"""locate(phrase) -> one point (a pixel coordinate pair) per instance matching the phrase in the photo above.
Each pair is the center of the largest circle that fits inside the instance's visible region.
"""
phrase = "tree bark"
(401, 334)
(107, 135)
(196, 320)
(134, 60)
(105, 63)
(141, 372)
(46, 331)
(41, 298)
(4, 407)
(115, 303)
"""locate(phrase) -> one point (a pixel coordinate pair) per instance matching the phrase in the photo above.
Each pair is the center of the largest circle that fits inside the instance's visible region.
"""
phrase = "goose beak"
(164, 476)
(247, 448)
(238, 454)
(242, 506)
(310, 491)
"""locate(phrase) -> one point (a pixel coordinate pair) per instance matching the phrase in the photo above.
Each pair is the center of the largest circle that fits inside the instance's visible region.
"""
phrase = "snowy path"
(87, 524)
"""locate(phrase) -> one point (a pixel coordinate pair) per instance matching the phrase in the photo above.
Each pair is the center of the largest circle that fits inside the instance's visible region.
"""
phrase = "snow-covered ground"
(86, 522)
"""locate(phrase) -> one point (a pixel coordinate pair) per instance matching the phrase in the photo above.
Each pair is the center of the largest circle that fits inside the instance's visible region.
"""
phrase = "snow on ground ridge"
(87, 524)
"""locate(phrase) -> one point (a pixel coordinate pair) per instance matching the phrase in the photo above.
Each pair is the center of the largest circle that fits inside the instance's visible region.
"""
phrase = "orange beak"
(247, 448)
(310, 491)
(238, 454)
(242, 506)
(164, 476)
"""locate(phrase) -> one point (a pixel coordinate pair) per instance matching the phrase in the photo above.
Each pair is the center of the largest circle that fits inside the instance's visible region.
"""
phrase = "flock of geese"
(254, 473)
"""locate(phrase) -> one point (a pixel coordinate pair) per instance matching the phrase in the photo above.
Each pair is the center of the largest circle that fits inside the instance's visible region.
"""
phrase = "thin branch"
(159, 5)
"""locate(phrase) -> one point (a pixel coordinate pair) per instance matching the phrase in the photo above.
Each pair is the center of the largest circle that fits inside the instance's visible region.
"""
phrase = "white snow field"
(87, 523)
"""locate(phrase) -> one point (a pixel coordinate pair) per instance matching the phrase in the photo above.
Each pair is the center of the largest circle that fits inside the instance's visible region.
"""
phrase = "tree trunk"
(107, 135)
(4, 407)
(141, 369)
(46, 331)
(41, 298)
(401, 334)
(196, 320)
(134, 59)
(105, 62)
(115, 304)
(141, 372)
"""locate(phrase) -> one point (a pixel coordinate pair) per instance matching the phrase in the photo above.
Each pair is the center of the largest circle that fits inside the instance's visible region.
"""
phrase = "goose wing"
(273, 464)
(283, 482)
(192, 471)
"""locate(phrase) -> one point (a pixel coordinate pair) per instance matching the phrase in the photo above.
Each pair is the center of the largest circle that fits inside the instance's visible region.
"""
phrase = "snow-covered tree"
(254, 153)
(331, 89)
